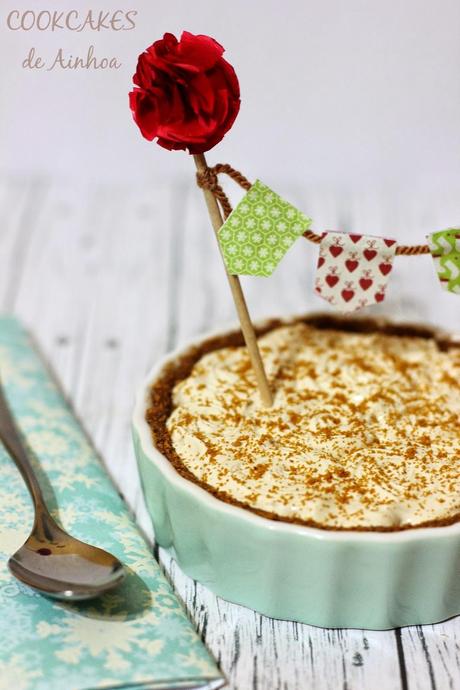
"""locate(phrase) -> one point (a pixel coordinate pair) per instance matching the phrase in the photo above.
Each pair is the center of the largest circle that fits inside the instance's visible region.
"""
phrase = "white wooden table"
(108, 279)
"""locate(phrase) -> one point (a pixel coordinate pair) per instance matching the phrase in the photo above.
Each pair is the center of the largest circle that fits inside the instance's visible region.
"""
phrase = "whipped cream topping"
(364, 431)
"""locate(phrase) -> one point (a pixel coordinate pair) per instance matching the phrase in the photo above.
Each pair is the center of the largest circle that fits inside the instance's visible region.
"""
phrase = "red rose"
(185, 93)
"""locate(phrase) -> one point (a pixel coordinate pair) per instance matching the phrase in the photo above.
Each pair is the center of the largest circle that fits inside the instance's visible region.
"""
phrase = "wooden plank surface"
(110, 278)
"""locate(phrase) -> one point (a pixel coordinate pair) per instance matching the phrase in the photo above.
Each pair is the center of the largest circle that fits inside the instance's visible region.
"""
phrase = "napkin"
(137, 636)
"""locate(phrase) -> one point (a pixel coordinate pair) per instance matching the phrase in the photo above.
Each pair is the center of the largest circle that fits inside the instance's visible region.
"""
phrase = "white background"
(344, 94)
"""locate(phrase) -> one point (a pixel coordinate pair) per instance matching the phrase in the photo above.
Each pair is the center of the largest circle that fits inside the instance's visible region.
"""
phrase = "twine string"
(209, 179)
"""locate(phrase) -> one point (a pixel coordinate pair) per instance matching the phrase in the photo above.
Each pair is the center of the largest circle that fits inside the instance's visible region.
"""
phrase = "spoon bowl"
(64, 567)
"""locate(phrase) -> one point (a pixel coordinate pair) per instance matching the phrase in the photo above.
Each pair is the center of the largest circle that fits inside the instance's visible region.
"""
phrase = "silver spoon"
(51, 561)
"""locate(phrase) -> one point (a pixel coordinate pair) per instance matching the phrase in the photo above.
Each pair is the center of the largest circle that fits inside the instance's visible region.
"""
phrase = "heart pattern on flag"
(353, 270)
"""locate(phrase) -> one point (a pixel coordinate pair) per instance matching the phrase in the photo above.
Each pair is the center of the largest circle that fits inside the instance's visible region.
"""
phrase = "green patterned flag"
(445, 250)
(259, 231)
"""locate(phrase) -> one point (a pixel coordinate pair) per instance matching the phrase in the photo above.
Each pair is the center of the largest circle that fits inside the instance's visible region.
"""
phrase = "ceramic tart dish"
(339, 574)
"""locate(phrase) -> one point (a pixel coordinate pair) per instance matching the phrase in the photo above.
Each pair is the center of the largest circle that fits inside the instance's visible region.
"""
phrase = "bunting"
(445, 250)
(259, 231)
(353, 270)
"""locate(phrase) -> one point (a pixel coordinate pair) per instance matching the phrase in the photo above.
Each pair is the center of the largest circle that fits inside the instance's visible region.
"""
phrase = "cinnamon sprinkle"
(382, 475)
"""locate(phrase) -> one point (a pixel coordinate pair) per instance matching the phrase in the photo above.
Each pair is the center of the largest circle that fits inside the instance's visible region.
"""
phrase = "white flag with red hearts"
(353, 270)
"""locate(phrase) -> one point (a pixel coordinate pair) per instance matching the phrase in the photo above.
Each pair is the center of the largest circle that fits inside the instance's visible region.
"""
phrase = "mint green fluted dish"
(371, 580)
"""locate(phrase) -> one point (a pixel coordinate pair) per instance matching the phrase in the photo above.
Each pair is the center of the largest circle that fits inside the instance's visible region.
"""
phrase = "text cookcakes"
(364, 432)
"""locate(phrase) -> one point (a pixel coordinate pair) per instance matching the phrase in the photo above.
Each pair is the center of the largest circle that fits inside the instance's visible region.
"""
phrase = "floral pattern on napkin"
(138, 635)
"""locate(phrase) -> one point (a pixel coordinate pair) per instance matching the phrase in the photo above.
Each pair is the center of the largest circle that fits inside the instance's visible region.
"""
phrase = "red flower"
(185, 95)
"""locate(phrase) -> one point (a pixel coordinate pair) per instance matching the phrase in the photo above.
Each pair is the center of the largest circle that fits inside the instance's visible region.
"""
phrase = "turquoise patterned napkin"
(135, 637)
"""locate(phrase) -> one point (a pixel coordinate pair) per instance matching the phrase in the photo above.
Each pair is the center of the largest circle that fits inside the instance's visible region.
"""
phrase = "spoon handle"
(15, 446)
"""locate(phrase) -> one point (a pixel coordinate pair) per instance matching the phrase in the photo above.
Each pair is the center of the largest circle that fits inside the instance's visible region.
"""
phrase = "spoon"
(51, 561)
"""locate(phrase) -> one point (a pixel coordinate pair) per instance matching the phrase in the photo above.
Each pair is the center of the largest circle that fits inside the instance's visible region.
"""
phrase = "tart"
(339, 506)
(364, 432)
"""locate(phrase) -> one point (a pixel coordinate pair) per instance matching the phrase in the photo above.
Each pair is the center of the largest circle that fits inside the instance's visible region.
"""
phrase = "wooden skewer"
(238, 296)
